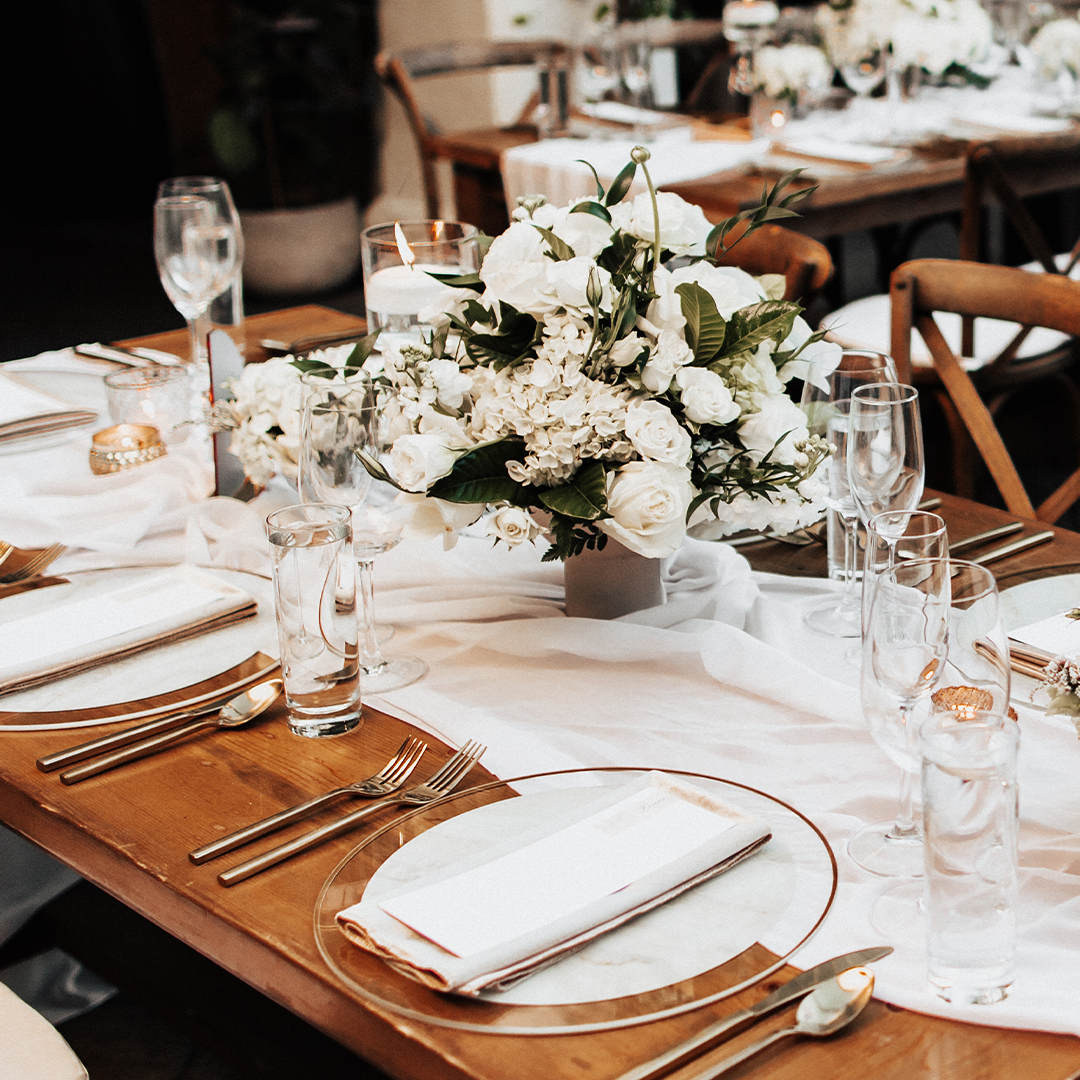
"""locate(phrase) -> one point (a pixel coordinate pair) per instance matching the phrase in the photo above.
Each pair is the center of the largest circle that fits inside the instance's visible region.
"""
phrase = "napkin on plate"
(488, 921)
(51, 633)
(19, 401)
(819, 146)
(1036, 644)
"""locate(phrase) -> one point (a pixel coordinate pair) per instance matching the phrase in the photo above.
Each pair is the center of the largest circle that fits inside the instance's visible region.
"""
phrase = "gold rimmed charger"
(703, 948)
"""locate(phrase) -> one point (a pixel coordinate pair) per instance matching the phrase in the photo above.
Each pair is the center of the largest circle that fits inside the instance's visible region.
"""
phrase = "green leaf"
(480, 476)
(584, 498)
(459, 281)
(510, 345)
(438, 341)
(705, 326)
(599, 186)
(560, 250)
(315, 367)
(749, 327)
(375, 469)
(593, 208)
(620, 185)
(475, 312)
(361, 352)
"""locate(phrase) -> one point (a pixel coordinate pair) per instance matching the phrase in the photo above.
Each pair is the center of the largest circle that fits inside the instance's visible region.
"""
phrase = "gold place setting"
(586, 662)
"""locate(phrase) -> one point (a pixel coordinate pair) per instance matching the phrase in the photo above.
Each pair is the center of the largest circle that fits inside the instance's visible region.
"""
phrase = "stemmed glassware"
(227, 308)
(865, 74)
(196, 256)
(340, 417)
(905, 656)
(827, 409)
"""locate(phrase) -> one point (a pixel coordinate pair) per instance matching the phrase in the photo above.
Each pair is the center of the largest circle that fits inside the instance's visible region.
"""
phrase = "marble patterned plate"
(707, 944)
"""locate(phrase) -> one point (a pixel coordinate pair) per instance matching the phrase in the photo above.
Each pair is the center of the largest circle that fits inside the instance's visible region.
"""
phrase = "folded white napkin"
(49, 633)
(836, 150)
(489, 921)
(1058, 635)
(20, 401)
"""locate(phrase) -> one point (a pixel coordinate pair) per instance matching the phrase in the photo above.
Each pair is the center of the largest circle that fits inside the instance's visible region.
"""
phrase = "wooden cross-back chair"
(925, 286)
(400, 71)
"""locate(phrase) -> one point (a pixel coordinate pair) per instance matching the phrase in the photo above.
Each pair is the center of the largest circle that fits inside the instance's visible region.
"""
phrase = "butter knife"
(1015, 547)
(797, 987)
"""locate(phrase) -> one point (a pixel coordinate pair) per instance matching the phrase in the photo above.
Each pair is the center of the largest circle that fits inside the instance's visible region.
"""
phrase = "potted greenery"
(292, 134)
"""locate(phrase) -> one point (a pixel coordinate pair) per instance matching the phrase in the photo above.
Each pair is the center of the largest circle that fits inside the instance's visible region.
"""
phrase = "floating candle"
(405, 290)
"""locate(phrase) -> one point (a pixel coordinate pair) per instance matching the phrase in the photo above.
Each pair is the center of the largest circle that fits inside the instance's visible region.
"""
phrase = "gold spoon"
(239, 710)
(833, 1005)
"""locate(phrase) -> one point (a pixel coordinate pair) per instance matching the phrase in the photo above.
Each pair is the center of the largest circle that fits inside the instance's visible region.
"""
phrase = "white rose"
(705, 397)
(815, 363)
(515, 268)
(683, 226)
(627, 350)
(778, 416)
(586, 234)
(436, 517)
(730, 287)
(670, 353)
(512, 526)
(567, 283)
(665, 312)
(648, 502)
(655, 433)
(419, 460)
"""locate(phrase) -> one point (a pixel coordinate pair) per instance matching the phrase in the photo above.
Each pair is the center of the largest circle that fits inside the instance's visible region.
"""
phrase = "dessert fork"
(439, 785)
(385, 782)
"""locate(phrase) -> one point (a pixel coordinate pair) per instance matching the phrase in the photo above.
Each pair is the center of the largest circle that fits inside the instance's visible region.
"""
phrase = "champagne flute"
(827, 406)
(196, 256)
(885, 464)
(906, 650)
(340, 417)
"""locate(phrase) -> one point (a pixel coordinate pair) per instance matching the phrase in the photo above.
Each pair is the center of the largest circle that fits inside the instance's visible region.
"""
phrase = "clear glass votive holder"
(398, 289)
(157, 396)
(315, 600)
(970, 817)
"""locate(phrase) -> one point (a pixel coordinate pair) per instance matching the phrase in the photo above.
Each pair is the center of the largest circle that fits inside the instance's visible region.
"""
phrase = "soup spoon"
(832, 1006)
(239, 710)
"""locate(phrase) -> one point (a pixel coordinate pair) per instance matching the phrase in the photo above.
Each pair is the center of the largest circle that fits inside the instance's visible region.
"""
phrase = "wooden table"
(130, 832)
(927, 183)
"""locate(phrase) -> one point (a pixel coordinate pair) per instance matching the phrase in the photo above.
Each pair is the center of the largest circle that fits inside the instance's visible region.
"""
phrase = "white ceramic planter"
(304, 250)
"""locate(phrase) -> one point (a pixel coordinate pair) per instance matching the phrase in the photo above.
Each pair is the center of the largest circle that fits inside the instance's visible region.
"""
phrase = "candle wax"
(404, 290)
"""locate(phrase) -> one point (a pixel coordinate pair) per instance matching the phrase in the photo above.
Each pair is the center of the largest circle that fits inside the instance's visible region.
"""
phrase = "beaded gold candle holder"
(123, 447)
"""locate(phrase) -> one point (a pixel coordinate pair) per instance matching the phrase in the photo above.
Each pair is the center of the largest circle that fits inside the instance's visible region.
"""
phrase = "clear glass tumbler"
(158, 396)
(315, 601)
(970, 814)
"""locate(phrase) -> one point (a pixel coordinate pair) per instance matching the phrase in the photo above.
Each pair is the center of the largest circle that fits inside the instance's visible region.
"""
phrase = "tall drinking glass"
(196, 256)
(227, 308)
(341, 417)
(827, 407)
(907, 644)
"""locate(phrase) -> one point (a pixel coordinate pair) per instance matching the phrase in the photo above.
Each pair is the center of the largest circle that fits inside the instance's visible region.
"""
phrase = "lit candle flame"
(436, 230)
(407, 257)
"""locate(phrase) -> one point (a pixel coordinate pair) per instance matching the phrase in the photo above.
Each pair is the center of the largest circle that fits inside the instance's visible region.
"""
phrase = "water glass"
(315, 600)
(970, 815)
(157, 396)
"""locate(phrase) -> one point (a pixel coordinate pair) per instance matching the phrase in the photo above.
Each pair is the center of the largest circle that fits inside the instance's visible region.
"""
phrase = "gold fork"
(34, 565)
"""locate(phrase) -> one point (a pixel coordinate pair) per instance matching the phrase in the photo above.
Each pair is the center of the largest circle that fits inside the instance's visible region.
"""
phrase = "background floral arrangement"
(602, 370)
(1057, 48)
(790, 70)
(935, 35)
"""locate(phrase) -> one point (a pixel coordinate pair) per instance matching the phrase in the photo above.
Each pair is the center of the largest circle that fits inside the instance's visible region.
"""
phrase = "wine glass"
(885, 463)
(635, 63)
(227, 308)
(865, 74)
(196, 256)
(906, 649)
(827, 405)
(340, 417)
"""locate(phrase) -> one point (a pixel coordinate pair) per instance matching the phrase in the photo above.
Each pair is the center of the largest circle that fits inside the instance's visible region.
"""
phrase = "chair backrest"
(399, 71)
(772, 249)
(1009, 170)
(921, 287)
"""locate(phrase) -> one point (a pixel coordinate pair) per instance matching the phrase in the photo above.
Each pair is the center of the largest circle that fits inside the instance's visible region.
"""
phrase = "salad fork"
(385, 782)
(435, 788)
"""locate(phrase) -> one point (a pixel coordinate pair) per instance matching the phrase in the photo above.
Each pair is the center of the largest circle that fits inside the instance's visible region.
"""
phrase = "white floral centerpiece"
(939, 36)
(792, 70)
(1056, 46)
(603, 371)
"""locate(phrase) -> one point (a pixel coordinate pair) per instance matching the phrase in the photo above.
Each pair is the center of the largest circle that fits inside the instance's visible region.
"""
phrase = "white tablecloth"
(724, 679)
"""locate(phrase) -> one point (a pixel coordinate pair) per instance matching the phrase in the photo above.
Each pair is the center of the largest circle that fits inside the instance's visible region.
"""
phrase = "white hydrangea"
(267, 410)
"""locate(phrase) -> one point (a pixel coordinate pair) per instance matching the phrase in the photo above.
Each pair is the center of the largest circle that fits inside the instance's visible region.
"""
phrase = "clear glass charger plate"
(710, 943)
(159, 670)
